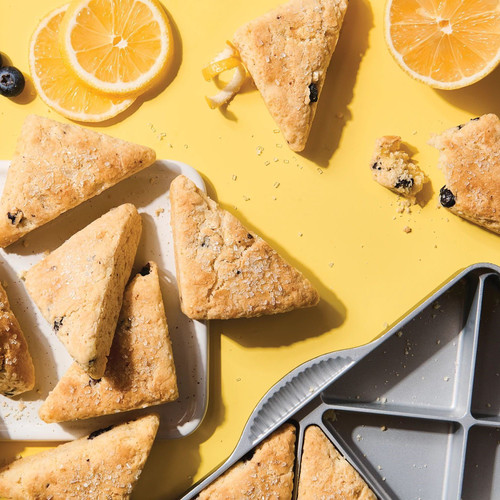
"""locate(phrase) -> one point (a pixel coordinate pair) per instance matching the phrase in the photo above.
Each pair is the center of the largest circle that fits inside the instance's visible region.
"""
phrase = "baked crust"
(79, 286)
(104, 465)
(470, 160)
(286, 51)
(17, 374)
(57, 166)
(223, 269)
(325, 474)
(140, 370)
(268, 475)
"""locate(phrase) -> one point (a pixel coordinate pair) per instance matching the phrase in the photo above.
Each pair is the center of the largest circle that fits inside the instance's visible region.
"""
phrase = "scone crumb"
(407, 229)
(391, 167)
(159, 211)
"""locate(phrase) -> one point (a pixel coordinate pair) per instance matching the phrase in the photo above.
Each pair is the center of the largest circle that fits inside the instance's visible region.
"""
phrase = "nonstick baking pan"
(417, 411)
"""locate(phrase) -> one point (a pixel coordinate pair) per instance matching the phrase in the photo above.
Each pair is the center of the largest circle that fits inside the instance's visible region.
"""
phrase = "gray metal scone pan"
(417, 411)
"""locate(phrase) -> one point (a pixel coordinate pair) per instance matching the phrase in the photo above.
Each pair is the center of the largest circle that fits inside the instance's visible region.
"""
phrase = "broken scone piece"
(325, 473)
(223, 269)
(17, 374)
(391, 167)
(105, 464)
(287, 52)
(470, 160)
(140, 371)
(57, 166)
(79, 286)
(268, 474)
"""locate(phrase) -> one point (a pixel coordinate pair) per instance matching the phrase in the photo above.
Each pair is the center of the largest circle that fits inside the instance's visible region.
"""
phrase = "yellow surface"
(326, 209)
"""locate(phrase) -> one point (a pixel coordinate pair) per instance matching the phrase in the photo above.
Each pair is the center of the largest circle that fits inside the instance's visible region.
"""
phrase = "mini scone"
(17, 374)
(105, 464)
(140, 370)
(223, 269)
(287, 52)
(268, 474)
(79, 286)
(391, 167)
(470, 160)
(57, 166)
(325, 473)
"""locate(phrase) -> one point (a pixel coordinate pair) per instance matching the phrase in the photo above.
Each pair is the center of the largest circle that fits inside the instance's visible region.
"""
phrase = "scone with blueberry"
(391, 167)
(470, 160)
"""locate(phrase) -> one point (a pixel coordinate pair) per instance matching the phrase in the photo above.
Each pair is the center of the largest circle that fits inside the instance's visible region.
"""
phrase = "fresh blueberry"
(1, 61)
(11, 81)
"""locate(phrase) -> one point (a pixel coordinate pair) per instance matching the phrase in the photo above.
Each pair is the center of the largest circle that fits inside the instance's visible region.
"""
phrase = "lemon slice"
(447, 44)
(55, 83)
(227, 59)
(117, 46)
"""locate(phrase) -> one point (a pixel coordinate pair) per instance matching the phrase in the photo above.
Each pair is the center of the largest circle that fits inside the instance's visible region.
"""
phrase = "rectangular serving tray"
(417, 411)
(148, 191)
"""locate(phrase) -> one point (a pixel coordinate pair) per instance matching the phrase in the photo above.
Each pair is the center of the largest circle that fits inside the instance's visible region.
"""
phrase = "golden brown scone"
(57, 166)
(140, 370)
(104, 465)
(17, 374)
(325, 474)
(391, 167)
(223, 269)
(470, 160)
(79, 286)
(287, 52)
(268, 475)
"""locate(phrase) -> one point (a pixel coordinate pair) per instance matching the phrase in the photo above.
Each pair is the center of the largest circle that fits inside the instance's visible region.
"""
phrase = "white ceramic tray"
(148, 190)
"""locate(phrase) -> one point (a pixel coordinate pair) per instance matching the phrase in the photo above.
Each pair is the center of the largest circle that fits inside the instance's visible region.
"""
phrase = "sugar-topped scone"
(287, 52)
(470, 160)
(391, 167)
(326, 474)
(104, 465)
(57, 166)
(223, 269)
(79, 286)
(268, 474)
(17, 374)
(140, 370)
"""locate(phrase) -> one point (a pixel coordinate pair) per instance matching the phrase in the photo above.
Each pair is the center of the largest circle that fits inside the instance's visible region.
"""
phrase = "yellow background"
(325, 210)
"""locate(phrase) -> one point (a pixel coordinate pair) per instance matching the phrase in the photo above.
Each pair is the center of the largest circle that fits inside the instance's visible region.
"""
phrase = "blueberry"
(1, 61)
(446, 197)
(313, 93)
(11, 81)
(404, 183)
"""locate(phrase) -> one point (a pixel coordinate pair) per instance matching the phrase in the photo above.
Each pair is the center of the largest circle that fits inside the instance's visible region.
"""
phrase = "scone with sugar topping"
(224, 270)
(287, 52)
(17, 374)
(470, 160)
(391, 167)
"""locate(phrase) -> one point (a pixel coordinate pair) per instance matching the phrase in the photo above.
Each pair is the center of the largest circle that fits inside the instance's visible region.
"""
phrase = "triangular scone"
(57, 166)
(17, 374)
(140, 370)
(268, 474)
(105, 464)
(325, 473)
(223, 269)
(470, 160)
(79, 286)
(287, 52)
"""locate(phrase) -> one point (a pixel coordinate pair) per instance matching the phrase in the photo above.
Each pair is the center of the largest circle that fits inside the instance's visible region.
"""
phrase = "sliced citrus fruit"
(55, 83)
(447, 44)
(117, 46)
